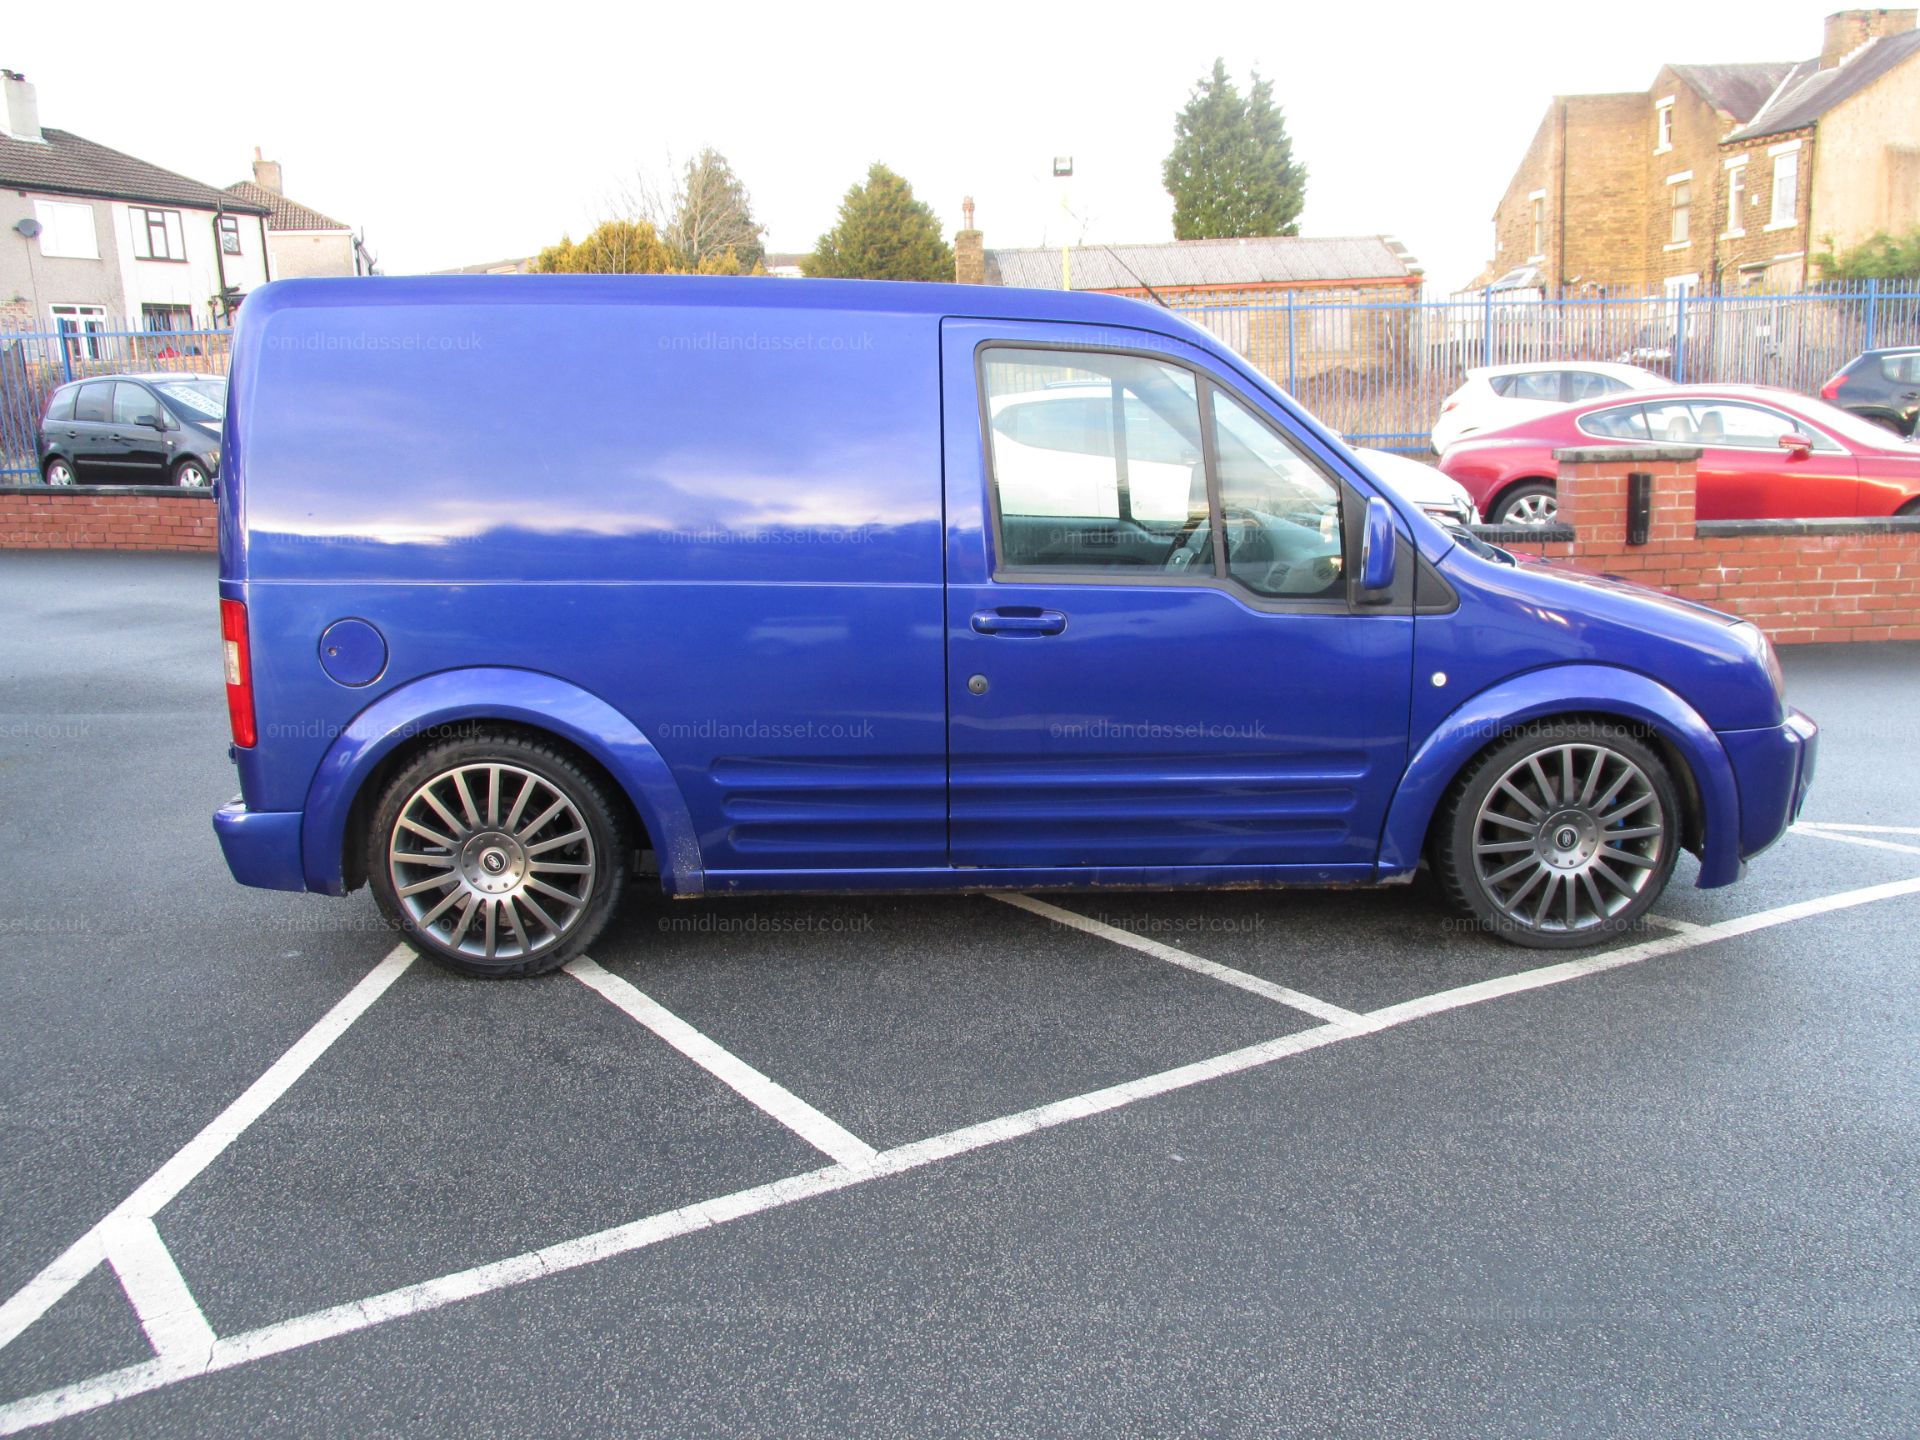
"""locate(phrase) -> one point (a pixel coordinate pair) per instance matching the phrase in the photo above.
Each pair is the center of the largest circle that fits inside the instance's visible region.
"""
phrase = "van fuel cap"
(353, 652)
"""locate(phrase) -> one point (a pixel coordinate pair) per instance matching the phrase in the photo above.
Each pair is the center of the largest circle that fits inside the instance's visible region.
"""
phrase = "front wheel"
(1531, 505)
(190, 474)
(1562, 835)
(497, 855)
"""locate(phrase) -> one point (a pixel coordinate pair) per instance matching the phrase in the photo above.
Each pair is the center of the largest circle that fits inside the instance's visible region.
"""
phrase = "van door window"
(1097, 463)
(95, 403)
(1282, 513)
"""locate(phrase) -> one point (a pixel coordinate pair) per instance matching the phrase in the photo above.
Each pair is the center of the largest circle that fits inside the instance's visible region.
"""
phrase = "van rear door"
(1180, 675)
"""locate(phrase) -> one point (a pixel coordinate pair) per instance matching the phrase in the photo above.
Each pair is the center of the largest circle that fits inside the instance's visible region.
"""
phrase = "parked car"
(783, 601)
(1445, 499)
(1765, 455)
(1882, 385)
(161, 429)
(1496, 396)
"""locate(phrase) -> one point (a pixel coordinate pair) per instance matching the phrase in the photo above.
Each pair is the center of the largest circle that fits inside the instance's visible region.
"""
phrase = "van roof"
(895, 297)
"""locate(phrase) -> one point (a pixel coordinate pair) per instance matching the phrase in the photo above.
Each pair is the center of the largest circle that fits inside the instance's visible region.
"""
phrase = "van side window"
(1283, 517)
(134, 404)
(1097, 462)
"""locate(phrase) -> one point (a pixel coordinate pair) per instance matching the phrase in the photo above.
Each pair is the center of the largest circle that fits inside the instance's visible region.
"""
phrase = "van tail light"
(239, 661)
(1831, 390)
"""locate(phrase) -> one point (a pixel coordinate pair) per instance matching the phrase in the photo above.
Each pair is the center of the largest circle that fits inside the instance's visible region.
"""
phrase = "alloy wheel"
(492, 861)
(1568, 838)
(1533, 510)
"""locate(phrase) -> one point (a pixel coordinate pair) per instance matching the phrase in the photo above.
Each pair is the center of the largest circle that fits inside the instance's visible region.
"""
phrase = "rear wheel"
(1563, 835)
(190, 474)
(58, 470)
(1911, 508)
(497, 856)
(1530, 505)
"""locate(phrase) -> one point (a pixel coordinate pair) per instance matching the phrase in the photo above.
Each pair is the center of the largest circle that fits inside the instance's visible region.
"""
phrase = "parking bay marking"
(818, 1130)
(226, 1353)
(1822, 832)
(1212, 969)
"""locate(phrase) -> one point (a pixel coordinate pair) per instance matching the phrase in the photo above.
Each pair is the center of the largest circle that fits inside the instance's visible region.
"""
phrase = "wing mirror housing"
(1797, 445)
(1378, 546)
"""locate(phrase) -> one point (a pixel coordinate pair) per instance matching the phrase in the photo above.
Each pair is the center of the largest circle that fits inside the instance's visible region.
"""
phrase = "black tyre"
(191, 474)
(1530, 504)
(497, 855)
(58, 470)
(1562, 835)
(1910, 510)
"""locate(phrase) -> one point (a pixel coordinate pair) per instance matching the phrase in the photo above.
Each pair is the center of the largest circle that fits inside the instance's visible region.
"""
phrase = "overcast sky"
(477, 132)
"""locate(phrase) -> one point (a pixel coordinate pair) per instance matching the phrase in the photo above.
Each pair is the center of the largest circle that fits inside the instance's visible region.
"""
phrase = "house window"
(1539, 214)
(81, 329)
(1663, 127)
(1736, 200)
(66, 230)
(229, 234)
(156, 234)
(1680, 212)
(166, 319)
(1786, 190)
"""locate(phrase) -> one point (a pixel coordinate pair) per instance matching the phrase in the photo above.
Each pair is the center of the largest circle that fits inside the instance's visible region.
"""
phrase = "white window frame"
(67, 229)
(1663, 125)
(89, 324)
(140, 221)
(1736, 198)
(1788, 157)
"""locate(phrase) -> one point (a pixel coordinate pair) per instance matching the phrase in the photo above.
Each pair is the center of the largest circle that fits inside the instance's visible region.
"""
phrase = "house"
(93, 240)
(1290, 304)
(1720, 177)
(522, 265)
(300, 240)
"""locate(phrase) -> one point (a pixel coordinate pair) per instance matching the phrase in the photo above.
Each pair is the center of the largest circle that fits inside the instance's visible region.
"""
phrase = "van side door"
(1156, 654)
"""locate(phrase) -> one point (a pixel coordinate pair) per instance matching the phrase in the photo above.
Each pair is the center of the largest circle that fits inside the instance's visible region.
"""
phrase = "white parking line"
(158, 1291)
(1213, 970)
(1820, 832)
(820, 1131)
(1871, 829)
(34, 1298)
(236, 1350)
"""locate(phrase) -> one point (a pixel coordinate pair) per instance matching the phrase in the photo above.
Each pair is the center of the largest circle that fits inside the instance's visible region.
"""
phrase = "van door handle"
(1019, 621)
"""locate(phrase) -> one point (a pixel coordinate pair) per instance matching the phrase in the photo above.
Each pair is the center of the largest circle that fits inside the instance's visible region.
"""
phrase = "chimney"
(20, 117)
(266, 173)
(969, 251)
(1848, 30)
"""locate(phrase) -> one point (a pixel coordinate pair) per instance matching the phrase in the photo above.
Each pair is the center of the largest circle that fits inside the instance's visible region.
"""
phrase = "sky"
(454, 135)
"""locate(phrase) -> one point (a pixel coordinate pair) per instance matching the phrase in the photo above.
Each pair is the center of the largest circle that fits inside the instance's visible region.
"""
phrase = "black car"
(1880, 385)
(134, 430)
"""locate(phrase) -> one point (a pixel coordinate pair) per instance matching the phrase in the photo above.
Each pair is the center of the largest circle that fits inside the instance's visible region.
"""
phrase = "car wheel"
(1562, 835)
(190, 474)
(1909, 510)
(1530, 506)
(58, 470)
(497, 856)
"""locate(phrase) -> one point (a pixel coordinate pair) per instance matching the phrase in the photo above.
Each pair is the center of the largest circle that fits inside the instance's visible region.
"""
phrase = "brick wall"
(101, 517)
(1799, 580)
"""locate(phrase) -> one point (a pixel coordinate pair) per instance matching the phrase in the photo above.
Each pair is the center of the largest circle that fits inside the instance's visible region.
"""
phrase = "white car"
(1496, 396)
(1445, 500)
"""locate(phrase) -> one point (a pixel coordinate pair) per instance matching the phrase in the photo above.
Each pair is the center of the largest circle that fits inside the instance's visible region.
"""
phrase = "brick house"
(96, 240)
(300, 240)
(1285, 302)
(1719, 177)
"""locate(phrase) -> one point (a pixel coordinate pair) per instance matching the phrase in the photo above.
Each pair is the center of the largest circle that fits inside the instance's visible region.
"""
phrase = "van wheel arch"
(353, 857)
(1692, 807)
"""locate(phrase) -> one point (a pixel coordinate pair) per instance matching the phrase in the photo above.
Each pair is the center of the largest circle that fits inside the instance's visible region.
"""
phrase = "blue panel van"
(535, 590)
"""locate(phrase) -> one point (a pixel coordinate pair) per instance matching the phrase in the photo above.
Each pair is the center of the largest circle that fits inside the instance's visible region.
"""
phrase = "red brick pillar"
(1593, 499)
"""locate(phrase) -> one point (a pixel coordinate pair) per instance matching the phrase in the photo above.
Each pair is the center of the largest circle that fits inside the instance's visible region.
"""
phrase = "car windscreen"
(201, 400)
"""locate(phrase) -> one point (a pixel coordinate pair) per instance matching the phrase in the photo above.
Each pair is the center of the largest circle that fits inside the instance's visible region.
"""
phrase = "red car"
(1765, 455)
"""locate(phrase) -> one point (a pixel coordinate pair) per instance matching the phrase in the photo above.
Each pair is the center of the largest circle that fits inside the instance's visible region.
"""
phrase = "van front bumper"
(262, 846)
(1772, 768)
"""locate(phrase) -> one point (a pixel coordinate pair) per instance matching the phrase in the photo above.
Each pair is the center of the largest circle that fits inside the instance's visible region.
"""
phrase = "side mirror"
(1377, 549)
(157, 421)
(1797, 445)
